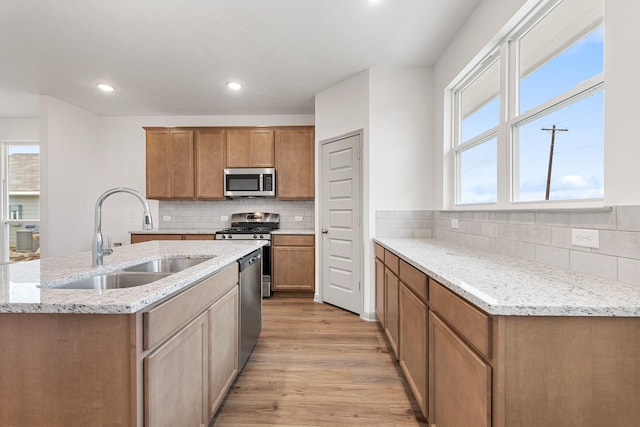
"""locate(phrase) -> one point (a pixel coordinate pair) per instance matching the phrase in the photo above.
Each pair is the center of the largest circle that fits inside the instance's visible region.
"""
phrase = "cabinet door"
(223, 348)
(175, 379)
(380, 291)
(158, 164)
(182, 164)
(210, 162)
(262, 148)
(238, 148)
(413, 345)
(295, 164)
(391, 309)
(460, 380)
(293, 268)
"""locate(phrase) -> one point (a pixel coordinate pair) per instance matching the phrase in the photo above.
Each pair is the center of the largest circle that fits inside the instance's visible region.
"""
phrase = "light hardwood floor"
(317, 365)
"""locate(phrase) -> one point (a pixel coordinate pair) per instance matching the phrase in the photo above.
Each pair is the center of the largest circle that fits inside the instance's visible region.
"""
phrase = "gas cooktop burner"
(250, 225)
(245, 230)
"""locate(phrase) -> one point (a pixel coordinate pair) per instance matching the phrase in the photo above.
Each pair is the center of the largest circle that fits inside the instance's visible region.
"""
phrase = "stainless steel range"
(254, 226)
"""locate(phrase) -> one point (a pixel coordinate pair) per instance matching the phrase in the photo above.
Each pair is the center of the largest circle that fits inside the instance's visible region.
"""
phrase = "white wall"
(400, 139)
(392, 106)
(19, 129)
(69, 175)
(488, 24)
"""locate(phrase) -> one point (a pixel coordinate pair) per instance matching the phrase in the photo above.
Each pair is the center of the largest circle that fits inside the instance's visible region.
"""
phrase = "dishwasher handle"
(248, 260)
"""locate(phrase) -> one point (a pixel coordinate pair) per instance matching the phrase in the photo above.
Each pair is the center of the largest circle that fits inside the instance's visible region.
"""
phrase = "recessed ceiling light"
(234, 85)
(105, 87)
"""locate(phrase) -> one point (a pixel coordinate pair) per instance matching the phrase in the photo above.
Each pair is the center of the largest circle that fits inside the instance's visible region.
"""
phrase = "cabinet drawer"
(379, 252)
(414, 279)
(292, 239)
(391, 261)
(471, 323)
(163, 320)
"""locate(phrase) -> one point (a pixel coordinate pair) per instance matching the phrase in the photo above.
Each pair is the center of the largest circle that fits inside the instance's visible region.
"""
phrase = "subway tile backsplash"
(208, 214)
(536, 235)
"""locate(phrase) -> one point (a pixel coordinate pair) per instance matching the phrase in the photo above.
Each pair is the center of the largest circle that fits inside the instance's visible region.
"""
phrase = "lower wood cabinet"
(460, 380)
(414, 345)
(148, 237)
(380, 298)
(392, 309)
(175, 374)
(293, 262)
(223, 348)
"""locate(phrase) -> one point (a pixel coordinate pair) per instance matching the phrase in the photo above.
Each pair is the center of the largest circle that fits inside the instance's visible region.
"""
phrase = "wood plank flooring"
(317, 365)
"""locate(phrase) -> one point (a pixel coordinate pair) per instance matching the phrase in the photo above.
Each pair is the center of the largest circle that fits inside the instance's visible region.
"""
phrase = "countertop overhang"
(29, 287)
(503, 285)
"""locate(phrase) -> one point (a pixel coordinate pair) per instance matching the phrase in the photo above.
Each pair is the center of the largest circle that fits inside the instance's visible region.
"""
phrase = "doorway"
(20, 201)
(341, 224)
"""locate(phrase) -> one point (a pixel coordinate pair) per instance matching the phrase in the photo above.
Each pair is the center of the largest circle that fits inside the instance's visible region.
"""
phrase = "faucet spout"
(97, 246)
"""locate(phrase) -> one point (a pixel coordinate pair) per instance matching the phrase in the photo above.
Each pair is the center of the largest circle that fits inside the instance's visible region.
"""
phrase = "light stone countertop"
(29, 287)
(504, 285)
(177, 231)
(301, 231)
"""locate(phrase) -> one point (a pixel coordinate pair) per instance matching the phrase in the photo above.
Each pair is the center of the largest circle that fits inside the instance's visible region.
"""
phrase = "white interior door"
(340, 220)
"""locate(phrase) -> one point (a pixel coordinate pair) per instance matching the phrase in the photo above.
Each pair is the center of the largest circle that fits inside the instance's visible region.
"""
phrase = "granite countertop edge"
(503, 285)
(30, 287)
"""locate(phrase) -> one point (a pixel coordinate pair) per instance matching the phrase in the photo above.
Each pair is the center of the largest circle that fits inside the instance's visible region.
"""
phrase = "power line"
(553, 131)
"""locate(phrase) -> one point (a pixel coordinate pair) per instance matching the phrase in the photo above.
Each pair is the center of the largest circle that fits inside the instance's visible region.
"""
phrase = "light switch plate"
(298, 218)
(166, 217)
(455, 223)
(585, 238)
(224, 218)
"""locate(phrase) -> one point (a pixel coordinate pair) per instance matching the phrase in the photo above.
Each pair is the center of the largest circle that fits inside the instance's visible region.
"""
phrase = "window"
(21, 201)
(476, 153)
(551, 97)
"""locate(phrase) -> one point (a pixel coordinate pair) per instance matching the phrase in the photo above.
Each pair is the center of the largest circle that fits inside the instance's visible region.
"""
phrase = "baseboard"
(369, 316)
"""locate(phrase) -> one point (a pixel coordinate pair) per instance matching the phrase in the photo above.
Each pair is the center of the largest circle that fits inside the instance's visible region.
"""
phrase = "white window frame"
(507, 171)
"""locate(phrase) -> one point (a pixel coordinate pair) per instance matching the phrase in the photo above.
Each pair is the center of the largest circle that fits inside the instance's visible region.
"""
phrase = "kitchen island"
(489, 340)
(161, 353)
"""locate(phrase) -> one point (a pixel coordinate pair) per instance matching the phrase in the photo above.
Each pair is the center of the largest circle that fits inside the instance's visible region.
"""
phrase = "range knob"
(255, 236)
(222, 236)
(229, 236)
(261, 237)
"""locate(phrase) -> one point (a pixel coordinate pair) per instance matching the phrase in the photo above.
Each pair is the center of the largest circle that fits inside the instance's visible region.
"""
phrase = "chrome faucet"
(147, 223)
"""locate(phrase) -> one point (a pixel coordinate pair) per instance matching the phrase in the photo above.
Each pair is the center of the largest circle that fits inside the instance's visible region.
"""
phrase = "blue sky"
(578, 169)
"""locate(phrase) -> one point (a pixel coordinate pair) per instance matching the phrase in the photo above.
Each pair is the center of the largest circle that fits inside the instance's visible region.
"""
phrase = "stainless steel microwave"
(250, 182)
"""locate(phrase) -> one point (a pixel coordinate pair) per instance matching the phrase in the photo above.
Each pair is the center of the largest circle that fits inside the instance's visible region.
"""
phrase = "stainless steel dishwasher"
(250, 304)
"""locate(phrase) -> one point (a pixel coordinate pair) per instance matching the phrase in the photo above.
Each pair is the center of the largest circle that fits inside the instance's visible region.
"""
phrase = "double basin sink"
(136, 275)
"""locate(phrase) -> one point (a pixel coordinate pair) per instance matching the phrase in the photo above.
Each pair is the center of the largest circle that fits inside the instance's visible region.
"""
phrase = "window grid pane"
(477, 168)
(577, 167)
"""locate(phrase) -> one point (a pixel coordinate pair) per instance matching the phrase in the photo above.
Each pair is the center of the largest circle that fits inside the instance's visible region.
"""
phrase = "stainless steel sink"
(166, 265)
(114, 280)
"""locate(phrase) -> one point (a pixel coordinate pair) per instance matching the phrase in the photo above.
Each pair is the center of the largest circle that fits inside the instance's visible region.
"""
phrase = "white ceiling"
(171, 57)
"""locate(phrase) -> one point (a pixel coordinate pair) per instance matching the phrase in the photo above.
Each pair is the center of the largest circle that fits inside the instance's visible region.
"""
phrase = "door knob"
(325, 231)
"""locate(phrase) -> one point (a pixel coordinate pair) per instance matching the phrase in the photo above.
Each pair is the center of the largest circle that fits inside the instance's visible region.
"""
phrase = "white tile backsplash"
(207, 214)
(545, 236)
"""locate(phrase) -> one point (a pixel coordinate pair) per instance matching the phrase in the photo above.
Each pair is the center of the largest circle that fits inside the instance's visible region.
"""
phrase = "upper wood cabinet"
(294, 154)
(170, 164)
(250, 148)
(188, 163)
(210, 162)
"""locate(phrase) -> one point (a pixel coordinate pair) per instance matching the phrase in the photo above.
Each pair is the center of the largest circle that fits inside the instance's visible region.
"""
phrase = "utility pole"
(553, 131)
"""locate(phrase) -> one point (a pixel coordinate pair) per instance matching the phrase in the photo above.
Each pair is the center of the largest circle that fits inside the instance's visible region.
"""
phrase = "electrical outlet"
(166, 217)
(224, 218)
(298, 218)
(585, 238)
(455, 223)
